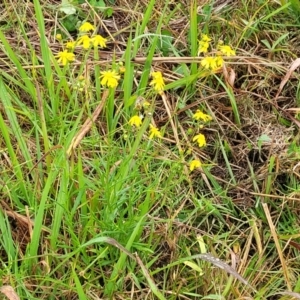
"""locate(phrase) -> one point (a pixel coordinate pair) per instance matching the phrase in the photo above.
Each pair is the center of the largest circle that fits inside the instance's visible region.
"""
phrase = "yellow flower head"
(70, 45)
(219, 61)
(58, 37)
(109, 78)
(199, 115)
(205, 38)
(122, 69)
(209, 63)
(226, 50)
(154, 132)
(65, 57)
(98, 40)
(146, 104)
(200, 139)
(135, 121)
(157, 81)
(86, 27)
(85, 41)
(203, 47)
(195, 164)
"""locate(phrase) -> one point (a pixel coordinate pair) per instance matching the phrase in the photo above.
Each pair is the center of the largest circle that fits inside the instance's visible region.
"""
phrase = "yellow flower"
(203, 47)
(219, 61)
(65, 57)
(109, 78)
(157, 81)
(58, 37)
(203, 44)
(195, 164)
(199, 115)
(226, 50)
(209, 63)
(85, 41)
(98, 40)
(135, 121)
(200, 139)
(154, 132)
(86, 26)
(205, 38)
(146, 104)
(122, 69)
(70, 45)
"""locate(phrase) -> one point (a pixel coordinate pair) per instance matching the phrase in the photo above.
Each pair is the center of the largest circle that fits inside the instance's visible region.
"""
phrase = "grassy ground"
(92, 207)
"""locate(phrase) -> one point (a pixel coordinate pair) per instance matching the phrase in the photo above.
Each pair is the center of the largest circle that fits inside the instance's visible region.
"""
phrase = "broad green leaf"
(97, 3)
(109, 12)
(67, 8)
(70, 22)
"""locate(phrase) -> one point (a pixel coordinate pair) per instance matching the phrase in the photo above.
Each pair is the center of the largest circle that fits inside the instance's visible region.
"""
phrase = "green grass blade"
(230, 94)
(21, 71)
(6, 239)
(119, 266)
(141, 29)
(79, 287)
(40, 212)
(46, 55)
(16, 130)
(129, 75)
(194, 36)
(61, 203)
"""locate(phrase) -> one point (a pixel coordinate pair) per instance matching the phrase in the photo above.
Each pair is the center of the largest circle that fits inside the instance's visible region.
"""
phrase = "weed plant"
(149, 149)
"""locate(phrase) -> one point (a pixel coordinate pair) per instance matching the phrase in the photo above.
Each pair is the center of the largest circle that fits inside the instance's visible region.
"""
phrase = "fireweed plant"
(109, 79)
